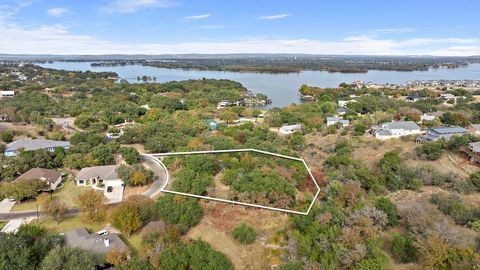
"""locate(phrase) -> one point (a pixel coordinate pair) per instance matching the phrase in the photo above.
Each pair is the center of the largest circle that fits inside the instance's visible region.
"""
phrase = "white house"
(223, 104)
(103, 178)
(7, 93)
(333, 120)
(427, 117)
(343, 103)
(289, 129)
(391, 130)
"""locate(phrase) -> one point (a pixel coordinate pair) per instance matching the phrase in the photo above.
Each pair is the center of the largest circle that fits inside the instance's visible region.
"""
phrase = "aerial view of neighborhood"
(248, 135)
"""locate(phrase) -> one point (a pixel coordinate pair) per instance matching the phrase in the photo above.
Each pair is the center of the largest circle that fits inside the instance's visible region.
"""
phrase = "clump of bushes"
(244, 234)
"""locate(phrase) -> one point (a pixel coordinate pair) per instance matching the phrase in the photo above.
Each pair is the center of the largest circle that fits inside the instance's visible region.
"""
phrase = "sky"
(354, 27)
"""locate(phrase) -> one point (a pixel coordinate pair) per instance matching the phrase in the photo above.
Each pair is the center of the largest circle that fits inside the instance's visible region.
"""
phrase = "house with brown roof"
(52, 177)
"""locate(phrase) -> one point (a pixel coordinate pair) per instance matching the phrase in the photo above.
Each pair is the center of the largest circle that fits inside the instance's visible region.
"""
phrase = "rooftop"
(30, 145)
(81, 238)
(475, 146)
(448, 130)
(107, 172)
(407, 125)
(50, 176)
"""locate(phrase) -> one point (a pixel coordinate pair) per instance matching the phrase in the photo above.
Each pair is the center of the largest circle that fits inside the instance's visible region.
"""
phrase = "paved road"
(27, 214)
(160, 174)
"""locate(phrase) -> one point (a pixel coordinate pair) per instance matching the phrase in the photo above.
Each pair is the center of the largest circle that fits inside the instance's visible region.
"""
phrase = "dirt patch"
(218, 221)
(130, 191)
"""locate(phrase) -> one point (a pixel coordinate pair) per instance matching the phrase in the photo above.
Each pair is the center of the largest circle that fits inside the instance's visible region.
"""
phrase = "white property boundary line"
(155, 157)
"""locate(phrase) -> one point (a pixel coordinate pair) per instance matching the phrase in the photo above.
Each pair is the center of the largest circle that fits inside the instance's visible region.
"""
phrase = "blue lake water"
(281, 88)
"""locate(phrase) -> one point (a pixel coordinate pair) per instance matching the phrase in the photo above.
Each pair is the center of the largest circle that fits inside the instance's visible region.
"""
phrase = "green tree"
(403, 248)
(389, 208)
(130, 155)
(71, 258)
(126, 218)
(182, 211)
(92, 205)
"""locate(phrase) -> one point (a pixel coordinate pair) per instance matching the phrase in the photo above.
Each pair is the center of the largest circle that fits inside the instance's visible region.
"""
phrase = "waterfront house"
(437, 133)
(289, 129)
(390, 130)
(14, 148)
(51, 177)
(100, 242)
(334, 120)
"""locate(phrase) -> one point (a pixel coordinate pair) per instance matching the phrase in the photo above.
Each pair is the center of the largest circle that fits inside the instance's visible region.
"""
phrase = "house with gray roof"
(390, 130)
(437, 133)
(334, 120)
(473, 152)
(101, 242)
(104, 178)
(15, 147)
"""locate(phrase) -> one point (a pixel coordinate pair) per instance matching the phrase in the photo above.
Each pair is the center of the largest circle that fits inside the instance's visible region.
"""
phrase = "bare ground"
(220, 219)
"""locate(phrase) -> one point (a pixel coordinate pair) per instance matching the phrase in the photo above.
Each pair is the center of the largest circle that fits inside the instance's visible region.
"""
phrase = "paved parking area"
(6, 205)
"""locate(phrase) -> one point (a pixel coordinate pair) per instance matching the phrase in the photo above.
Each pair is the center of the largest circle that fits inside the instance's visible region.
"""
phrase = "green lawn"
(2, 224)
(71, 223)
(67, 193)
(134, 242)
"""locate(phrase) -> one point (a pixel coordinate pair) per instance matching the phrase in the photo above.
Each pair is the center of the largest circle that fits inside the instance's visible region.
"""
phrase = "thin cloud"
(197, 17)
(57, 12)
(131, 6)
(57, 39)
(213, 26)
(274, 17)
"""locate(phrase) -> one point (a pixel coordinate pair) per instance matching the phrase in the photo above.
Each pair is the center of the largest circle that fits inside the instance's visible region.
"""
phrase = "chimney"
(106, 242)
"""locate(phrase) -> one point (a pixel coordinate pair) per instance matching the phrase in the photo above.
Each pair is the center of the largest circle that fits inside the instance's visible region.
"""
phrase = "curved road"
(160, 174)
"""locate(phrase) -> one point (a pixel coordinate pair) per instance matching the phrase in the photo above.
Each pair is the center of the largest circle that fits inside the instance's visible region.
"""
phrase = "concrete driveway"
(6, 205)
(13, 225)
(116, 196)
(160, 176)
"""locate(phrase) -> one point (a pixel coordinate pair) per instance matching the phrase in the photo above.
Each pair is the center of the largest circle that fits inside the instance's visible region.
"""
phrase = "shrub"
(475, 179)
(244, 234)
(403, 248)
(389, 208)
(429, 151)
(130, 155)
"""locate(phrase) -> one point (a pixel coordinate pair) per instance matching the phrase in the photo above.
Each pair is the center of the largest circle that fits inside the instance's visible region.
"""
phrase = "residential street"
(27, 214)
(160, 174)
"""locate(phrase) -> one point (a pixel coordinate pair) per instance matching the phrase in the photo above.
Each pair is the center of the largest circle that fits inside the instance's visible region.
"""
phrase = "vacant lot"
(248, 177)
(220, 219)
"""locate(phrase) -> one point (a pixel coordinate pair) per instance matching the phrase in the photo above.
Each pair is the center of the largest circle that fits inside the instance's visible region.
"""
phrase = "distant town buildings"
(14, 148)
